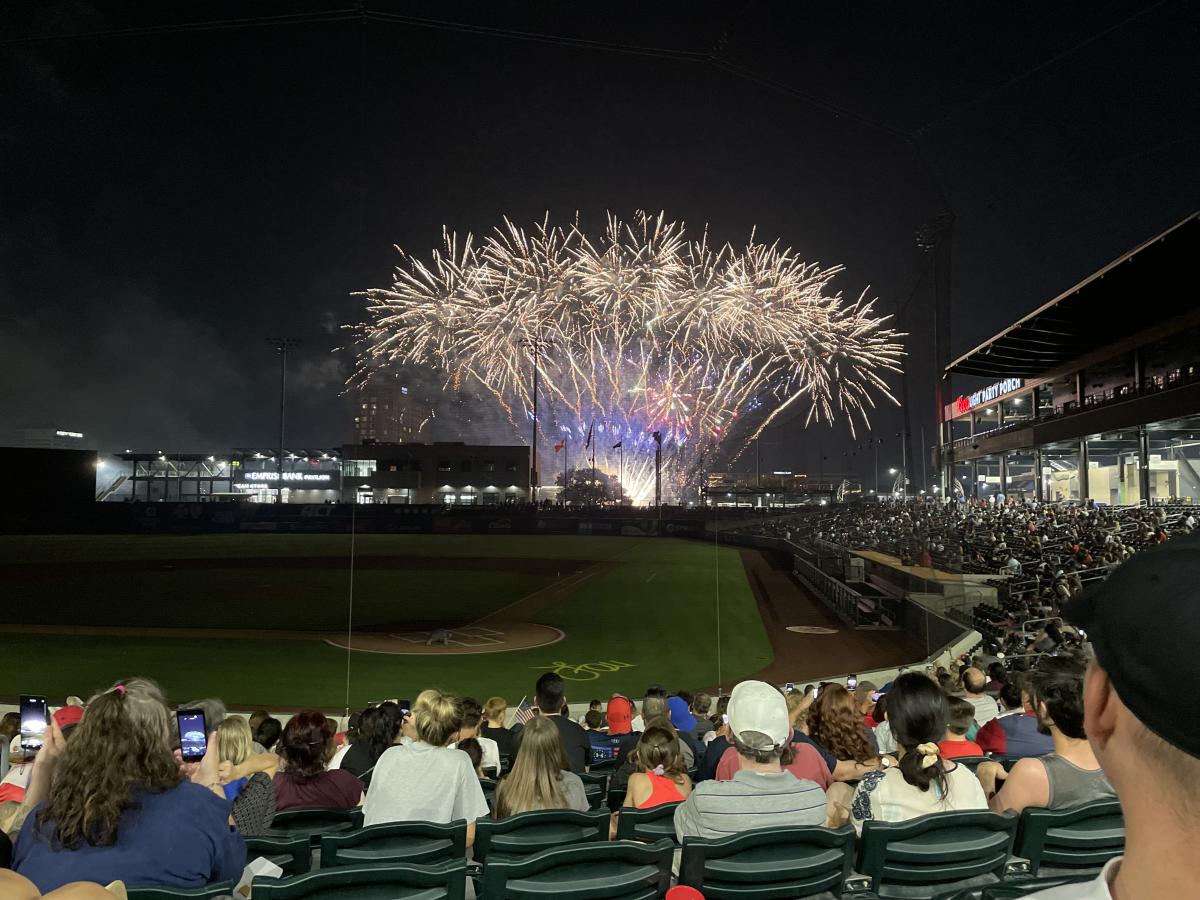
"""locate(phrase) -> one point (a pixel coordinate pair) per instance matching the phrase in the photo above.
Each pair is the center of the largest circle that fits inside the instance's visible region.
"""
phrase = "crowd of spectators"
(109, 798)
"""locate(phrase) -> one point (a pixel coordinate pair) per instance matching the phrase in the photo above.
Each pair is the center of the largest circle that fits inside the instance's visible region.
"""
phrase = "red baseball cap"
(620, 715)
(68, 715)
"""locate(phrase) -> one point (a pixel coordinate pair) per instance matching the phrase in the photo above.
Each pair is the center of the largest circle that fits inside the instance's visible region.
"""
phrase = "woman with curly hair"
(306, 747)
(835, 724)
(117, 807)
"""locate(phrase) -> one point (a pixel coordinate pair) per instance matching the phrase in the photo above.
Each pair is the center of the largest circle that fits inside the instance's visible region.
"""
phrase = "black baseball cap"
(1144, 624)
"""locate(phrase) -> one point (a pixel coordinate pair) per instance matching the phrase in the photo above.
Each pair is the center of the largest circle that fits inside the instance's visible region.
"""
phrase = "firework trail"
(642, 330)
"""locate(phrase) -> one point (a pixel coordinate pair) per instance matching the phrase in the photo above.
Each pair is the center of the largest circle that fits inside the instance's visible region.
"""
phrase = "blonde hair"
(535, 781)
(495, 708)
(436, 717)
(795, 700)
(234, 739)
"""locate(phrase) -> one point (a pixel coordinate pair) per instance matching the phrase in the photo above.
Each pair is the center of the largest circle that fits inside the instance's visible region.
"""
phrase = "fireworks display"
(640, 331)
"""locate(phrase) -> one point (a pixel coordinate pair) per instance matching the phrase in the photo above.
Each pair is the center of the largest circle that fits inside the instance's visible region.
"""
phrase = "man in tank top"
(1070, 775)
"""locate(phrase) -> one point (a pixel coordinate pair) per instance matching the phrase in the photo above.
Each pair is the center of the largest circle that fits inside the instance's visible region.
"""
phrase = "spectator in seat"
(593, 706)
(619, 715)
(1069, 776)
(474, 752)
(760, 794)
(495, 712)
(701, 706)
(960, 717)
(114, 805)
(657, 692)
(685, 724)
(550, 694)
(426, 780)
(257, 718)
(1016, 733)
(306, 748)
(268, 733)
(1149, 750)
(253, 795)
(540, 778)
(470, 726)
(344, 740)
(997, 676)
(837, 728)
(659, 775)
(884, 740)
(922, 782)
(378, 728)
(973, 684)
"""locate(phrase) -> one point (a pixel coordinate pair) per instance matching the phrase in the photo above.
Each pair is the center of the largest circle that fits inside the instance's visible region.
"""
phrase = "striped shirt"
(749, 800)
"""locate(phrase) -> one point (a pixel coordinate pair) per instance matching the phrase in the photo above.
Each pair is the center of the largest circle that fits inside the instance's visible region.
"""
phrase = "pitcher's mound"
(492, 637)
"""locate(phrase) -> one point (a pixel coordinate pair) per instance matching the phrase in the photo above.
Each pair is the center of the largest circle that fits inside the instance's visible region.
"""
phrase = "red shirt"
(954, 749)
(808, 765)
(335, 789)
(992, 738)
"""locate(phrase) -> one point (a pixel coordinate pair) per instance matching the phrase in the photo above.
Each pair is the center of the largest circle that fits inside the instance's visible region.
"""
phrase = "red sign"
(962, 404)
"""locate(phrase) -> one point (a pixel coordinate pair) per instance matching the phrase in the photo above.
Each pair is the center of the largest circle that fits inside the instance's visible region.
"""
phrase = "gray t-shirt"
(750, 800)
(423, 783)
(1070, 785)
(572, 787)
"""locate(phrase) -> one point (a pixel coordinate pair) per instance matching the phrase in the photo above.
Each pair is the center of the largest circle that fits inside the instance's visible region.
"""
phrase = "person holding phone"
(121, 808)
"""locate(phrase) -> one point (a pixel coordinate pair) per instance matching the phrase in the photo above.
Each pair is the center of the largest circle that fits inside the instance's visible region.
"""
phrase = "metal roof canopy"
(1159, 276)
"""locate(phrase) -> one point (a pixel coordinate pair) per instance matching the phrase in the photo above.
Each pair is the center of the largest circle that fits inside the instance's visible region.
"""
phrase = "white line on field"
(651, 578)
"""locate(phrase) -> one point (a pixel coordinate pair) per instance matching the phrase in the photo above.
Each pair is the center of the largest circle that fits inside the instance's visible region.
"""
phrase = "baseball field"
(284, 621)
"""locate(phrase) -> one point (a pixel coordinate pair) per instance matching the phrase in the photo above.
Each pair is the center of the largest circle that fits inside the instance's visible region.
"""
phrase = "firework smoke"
(641, 331)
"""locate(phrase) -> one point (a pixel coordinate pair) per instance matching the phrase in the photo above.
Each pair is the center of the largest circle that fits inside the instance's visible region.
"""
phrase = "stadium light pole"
(535, 348)
(282, 346)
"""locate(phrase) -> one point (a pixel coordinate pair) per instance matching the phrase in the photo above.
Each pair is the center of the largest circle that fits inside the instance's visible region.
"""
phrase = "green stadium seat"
(972, 762)
(314, 822)
(505, 764)
(408, 843)
(616, 869)
(932, 854)
(208, 892)
(292, 854)
(1010, 890)
(595, 785)
(1076, 840)
(607, 766)
(489, 791)
(445, 881)
(769, 863)
(647, 824)
(528, 833)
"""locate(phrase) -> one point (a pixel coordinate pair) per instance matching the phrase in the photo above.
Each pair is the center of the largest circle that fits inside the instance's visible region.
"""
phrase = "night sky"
(172, 196)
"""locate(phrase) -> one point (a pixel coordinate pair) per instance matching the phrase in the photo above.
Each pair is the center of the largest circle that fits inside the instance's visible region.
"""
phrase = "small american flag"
(525, 712)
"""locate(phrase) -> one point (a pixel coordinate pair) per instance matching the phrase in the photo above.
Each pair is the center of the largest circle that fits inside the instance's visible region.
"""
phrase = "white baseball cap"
(757, 706)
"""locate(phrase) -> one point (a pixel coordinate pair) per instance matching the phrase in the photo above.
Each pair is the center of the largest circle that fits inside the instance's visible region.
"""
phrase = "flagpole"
(622, 474)
(595, 487)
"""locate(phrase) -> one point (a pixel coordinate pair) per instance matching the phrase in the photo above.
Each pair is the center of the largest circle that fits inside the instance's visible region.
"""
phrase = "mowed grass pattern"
(649, 616)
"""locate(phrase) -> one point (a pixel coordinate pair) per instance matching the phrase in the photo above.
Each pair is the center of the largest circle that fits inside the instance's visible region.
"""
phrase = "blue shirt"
(178, 838)
(1022, 737)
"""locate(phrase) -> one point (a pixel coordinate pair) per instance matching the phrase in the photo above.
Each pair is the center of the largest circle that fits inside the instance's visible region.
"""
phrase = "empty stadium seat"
(292, 854)
(616, 869)
(647, 824)
(932, 854)
(528, 833)
(1009, 890)
(445, 881)
(314, 822)
(208, 892)
(769, 863)
(489, 791)
(408, 843)
(1075, 840)
(615, 797)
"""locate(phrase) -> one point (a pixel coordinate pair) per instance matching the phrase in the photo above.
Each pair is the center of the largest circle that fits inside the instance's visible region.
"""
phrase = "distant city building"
(51, 438)
(452, 473)
(384, 412)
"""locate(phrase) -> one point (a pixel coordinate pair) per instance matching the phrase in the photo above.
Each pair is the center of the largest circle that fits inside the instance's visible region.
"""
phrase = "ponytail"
(921, 766)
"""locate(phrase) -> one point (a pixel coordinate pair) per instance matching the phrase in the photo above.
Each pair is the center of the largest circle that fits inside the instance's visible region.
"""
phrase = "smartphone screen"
(193, 734)
(789, 687)
(405, 707)
(851, 682)
(33, 722)
(815, 692)
(725, 718)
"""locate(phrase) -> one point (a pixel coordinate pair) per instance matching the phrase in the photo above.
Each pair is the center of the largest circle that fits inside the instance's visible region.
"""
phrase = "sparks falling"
(640, 331)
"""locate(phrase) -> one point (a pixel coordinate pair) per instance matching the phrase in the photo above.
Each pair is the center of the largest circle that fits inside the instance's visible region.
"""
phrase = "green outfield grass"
(650, 615)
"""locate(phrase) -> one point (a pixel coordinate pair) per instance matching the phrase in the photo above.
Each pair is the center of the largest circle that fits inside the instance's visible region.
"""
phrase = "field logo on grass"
(585, 671)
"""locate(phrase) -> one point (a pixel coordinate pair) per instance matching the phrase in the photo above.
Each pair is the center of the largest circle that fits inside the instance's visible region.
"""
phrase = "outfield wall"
(340, 518)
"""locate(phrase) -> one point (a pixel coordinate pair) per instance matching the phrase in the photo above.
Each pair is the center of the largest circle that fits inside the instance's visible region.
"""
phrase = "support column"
(1004, 473)
(1144, 463)
(1039, 491)
(1083, 469)
(974, 479)
(1079, 376)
